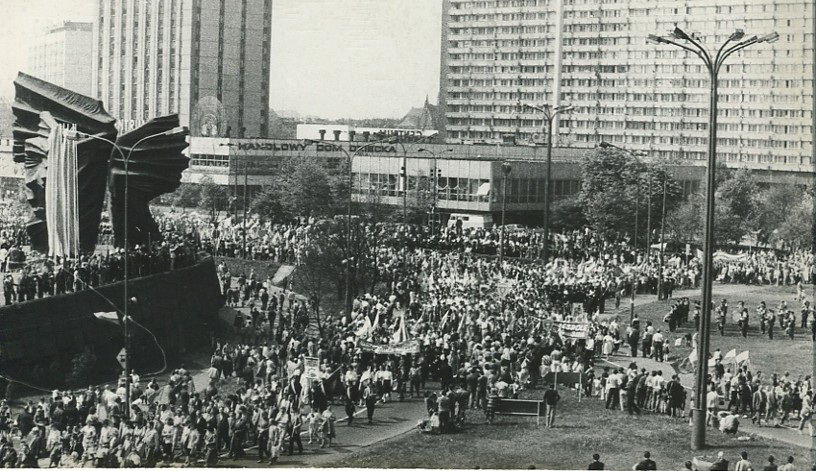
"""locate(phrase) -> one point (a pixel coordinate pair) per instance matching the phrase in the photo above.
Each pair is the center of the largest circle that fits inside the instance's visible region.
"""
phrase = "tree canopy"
(617, 186)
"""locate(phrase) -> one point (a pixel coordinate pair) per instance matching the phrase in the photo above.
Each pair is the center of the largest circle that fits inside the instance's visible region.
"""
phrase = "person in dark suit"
(771, 466)
(645, 464)
(596, 462)
(720, 464)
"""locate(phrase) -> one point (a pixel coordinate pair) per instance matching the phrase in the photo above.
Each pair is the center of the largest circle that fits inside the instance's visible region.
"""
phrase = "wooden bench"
(520, 407)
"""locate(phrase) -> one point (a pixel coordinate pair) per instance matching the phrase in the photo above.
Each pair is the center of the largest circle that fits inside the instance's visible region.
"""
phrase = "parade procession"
(223, 242)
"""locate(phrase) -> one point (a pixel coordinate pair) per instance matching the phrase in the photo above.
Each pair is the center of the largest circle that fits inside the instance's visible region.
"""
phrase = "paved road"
(390, 420)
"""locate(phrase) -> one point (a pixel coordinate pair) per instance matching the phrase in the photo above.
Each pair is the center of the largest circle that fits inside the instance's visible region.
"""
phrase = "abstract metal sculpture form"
(155, 165)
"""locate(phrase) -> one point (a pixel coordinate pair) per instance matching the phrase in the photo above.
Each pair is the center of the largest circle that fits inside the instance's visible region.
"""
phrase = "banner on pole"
(573, 329)
(311, 368)
(402, 348)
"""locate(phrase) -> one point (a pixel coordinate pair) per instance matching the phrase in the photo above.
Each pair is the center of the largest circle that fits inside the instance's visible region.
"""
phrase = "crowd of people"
(484, 331)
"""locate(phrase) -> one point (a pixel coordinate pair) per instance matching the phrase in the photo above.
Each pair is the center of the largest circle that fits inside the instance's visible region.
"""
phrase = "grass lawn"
(581, 430)
(587, 428)
(768, 356)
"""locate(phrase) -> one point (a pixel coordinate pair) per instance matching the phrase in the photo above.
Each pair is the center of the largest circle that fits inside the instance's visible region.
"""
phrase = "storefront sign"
(303, 146)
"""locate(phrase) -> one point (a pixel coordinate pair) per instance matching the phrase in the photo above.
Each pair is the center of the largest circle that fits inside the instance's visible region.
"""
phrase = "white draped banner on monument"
(61, 191)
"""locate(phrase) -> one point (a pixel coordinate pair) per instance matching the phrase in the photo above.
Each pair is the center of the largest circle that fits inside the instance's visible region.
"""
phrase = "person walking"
(805, 413)
(294, 425)
(551, 398)
(327, 432)
(370, 398)
(262, 433)
(276, 432)
(743, 323)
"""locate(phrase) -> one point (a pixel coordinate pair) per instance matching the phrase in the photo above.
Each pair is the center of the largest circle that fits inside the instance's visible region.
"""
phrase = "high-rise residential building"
(61, 55)
(498, 55)
(207, 60)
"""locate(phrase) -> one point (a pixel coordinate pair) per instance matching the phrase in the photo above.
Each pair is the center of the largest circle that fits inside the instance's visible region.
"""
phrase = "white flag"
(731, 354)
(107, 316)
(741, 357)
(444, 321)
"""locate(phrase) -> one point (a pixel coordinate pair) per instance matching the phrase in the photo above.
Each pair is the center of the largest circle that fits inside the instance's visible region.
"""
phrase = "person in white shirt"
(659, 383)
(657, 345)
(712, 405)
(613, 391)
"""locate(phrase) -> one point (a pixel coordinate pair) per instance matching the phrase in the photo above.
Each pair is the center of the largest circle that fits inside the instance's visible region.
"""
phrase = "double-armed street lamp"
(76, 136)
(549, 116)
(350, 160)
(713, 63)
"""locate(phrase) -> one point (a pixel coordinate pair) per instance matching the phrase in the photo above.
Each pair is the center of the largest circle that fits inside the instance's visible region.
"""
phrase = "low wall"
(39, 338)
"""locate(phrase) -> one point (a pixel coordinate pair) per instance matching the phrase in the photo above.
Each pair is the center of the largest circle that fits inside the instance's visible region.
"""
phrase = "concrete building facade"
(468, 177)
(500, 54)
(207, 60)
(62, 56)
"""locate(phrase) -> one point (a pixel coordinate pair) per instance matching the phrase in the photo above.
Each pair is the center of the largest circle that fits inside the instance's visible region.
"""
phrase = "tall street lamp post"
(713, 64)
(434, 181)
(662, 238)
(549, 116)
(506, 168)
(77, 135)
(404, 183)
(350, 160)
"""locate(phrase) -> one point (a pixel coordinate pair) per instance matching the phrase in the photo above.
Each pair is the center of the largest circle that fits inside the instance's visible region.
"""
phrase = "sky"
(330, 58)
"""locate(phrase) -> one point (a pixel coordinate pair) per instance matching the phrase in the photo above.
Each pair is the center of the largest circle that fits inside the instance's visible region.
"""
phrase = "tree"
(318, 270)
(187, 195)
(736, 206)
(214, 198)
(266, 204)
(83, 366)
(796, 229)
(685, 223)
(567, 214)
(301, 188)
(616, 187)
(775, 205)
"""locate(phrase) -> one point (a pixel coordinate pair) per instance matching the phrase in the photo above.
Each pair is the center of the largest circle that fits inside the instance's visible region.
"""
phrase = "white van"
(471, 221)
